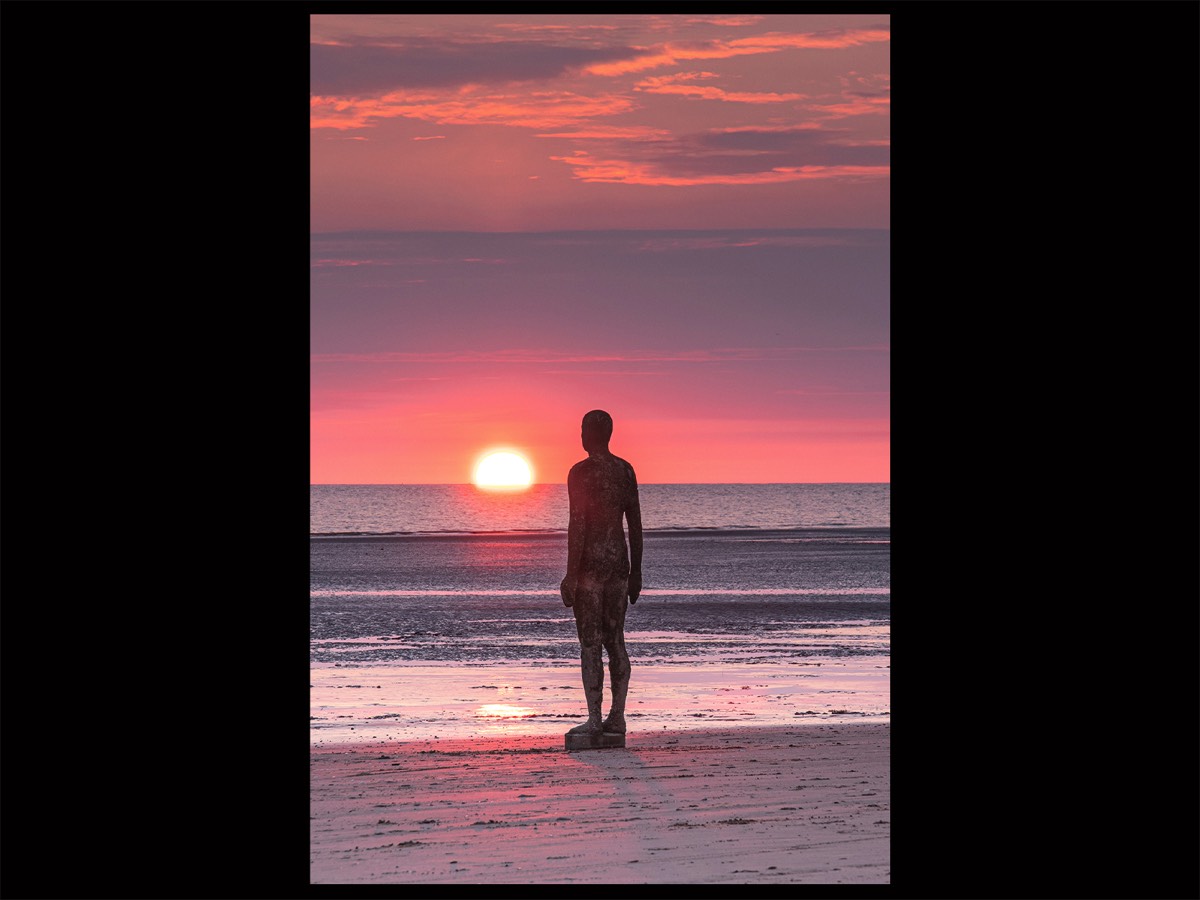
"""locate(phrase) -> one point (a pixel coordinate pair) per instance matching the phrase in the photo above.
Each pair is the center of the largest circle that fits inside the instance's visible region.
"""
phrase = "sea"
(435, 610)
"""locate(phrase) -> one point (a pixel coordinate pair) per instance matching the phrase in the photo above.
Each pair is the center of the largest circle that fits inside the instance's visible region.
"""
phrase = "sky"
(681, 219)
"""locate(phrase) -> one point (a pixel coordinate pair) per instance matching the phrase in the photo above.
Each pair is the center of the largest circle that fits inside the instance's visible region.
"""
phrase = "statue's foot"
(614, 724)
(591, 726)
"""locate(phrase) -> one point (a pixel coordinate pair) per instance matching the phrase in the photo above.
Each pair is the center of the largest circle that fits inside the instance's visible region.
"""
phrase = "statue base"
(594, 741)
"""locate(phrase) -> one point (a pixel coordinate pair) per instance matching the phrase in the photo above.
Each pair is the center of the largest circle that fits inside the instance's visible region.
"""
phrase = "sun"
(503, 470)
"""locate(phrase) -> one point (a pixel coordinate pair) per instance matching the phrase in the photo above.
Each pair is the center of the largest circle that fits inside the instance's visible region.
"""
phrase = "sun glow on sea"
(503, 470)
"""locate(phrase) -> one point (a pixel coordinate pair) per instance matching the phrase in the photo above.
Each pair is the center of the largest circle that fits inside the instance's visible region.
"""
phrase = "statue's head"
(597, 430)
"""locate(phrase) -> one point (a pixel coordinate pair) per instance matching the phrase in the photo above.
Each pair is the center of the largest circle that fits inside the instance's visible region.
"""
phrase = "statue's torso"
(605, 487)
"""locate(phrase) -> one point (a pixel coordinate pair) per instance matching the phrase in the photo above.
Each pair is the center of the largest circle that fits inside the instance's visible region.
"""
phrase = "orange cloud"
(857, 106)
(830, 40)
(541, 109)
(715, 93)
(731, 21)
(588, 168)
(674, 84)
(612, 132)
(768, 129)
(342, 114)
(773, 42)
(677, 77)
(637, 64)
(560, 29)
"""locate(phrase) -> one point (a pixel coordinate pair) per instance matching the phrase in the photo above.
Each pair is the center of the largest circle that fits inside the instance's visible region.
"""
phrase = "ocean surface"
(435, 611)
(342, 509)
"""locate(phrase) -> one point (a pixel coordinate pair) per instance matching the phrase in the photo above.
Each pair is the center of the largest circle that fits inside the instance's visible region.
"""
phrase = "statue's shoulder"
(628, 469)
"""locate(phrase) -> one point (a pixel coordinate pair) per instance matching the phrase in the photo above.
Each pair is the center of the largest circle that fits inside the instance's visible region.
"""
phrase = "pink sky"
(681, 219)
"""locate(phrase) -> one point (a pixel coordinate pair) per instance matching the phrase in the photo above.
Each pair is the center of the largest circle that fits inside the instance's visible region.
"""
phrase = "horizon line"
(542, 483)
(370, 231)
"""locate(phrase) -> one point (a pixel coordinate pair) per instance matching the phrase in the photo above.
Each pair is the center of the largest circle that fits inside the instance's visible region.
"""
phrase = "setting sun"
(503, 470)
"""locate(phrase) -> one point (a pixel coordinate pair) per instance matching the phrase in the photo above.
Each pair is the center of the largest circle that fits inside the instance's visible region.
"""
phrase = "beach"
(444, 671)
(803, 804)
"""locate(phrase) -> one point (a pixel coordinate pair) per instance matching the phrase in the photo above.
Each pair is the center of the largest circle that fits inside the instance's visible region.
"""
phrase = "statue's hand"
(567, 589)
(635, 586)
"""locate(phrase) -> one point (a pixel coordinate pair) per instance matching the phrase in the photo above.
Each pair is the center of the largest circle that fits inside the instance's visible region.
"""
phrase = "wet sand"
(454, 701)
(808, 804)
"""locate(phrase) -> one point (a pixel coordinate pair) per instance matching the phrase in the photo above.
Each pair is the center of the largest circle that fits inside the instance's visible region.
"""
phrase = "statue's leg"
(587, 609)
(616, 592)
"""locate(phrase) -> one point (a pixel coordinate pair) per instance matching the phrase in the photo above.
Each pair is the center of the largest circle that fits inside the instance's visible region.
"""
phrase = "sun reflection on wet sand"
(454, 700)
(505, 711)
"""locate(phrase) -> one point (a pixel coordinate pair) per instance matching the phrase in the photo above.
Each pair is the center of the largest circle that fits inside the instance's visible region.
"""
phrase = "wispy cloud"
(378, 68)
(671, 84)
(861, 105)
(575, 28)
(673, 53)
(494, 81)
(668, 101)
(543, 109)
(615, 373)
(727, 21)
(720, 242)
(822, 392)
(338, 263)
(814, 40)
(612, 132)
(732, 155)
(627, 171)
(720, 355)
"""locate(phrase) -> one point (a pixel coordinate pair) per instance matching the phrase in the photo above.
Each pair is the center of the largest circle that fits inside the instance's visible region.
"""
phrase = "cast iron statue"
(601, 572)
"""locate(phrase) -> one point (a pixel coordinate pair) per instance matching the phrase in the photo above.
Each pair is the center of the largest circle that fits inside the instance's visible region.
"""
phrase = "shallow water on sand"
(417, 637)
(450, 700)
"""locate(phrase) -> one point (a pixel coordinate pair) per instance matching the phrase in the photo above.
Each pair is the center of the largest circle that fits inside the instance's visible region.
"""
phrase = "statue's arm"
(575, 526)
(633, 518)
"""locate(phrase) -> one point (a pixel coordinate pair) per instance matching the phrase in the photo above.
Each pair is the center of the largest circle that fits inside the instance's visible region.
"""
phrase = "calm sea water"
(463, 508)
(434, 609)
